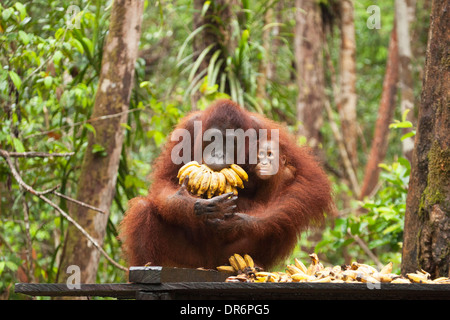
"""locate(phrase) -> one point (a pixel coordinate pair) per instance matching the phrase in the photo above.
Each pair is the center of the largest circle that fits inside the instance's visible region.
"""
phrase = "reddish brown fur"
(163, 230)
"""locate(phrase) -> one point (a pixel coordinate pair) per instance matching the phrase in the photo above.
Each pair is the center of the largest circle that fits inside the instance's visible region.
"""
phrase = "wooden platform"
(246, 291)
(157, 283)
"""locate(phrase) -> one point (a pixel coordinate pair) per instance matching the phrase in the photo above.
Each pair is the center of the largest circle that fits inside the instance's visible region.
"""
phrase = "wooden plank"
(298, 291)
(223, 290)
(155, 275)
(115, 290)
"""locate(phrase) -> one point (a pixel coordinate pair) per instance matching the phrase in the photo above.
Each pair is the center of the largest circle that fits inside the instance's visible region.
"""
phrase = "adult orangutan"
(286, 192)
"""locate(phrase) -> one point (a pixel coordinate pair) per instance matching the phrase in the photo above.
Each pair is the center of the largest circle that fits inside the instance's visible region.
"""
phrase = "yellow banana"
(195, 174)
(387, 277)
(326, 279)
(228, 188)
(222, 184)
(187, 172)
(300, 277)
(249, 261)
(445, 280)
(226, 269)
(349, 274)
(261, 279)
(187, 165)
(206, 179)
(234, 263)
(314, 258)
(284, 277)
(387, 268)
(239, 182)
(262, 276)
(417, 278)
(366, 278)
(366, 268)
(213, 184)
(400, 280)
(240, 261)
(274, 277)
(230, 176)
(196, 179)
(241, 172)
(300, 265)
(293, 269)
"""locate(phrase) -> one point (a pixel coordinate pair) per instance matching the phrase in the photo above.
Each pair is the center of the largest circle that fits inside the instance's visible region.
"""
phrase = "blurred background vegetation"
(48, 80)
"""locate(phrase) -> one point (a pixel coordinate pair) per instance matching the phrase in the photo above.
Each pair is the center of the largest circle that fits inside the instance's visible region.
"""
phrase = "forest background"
(339, 79)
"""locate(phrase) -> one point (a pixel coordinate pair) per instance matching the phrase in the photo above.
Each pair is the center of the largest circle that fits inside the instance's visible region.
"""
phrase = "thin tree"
(405, 71)
(347, 98)
(426, 240)
(97, 181)
(308, 43)
(214, 23)
(385, 114)
(271, 45)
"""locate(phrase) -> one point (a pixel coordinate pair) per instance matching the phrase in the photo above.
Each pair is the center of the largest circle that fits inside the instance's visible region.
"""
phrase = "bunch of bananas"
(316, 272)
(205, 182)
(239, 264)
(243, 268)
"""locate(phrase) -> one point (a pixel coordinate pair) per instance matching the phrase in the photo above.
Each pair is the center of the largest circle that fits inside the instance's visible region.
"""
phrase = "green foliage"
(47, 85)
(377, 224)
(235, 74)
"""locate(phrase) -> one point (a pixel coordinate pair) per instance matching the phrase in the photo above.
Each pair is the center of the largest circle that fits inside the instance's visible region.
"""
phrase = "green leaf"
(21, 8)
(392, 229)
(18, 145)
(205, 7)
(403, 124)
(59, 33)
(126, 126)
(199, 61)
(191, 36)
(24, 37)
(6, 14)
(405, 114)
(77, 44)
(159, 138)
(244, 38)
(88, 44)
(90, 128)
(11, 265)
(408, 135)
(212, 63)
(15, 79)
(57, 57)
(144, 84)
(377, 243)
(99, 150)
(48, 81)
(355, 228)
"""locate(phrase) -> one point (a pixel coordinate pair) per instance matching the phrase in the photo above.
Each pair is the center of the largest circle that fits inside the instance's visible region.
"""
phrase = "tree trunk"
(97, 180)
(210, 35)
(427, 219)
(347, 99)
(217, 32)
(265, 64)
(405, 72)
(385, 114)
(308, 42)
(271, 45)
